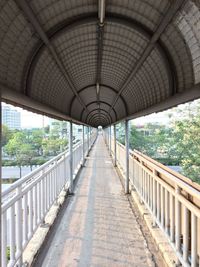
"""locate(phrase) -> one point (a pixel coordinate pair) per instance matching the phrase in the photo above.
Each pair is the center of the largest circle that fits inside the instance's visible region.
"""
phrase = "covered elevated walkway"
(98, 227)
(99, 63)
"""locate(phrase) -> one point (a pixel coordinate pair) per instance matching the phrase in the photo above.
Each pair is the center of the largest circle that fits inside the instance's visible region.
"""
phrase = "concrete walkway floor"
(98, 227)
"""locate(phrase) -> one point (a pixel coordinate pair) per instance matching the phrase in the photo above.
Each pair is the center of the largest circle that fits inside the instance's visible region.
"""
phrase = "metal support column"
(71, 187)
(110, 140)
(83, 140)
(0, 175)
(88, 142)
(115, 146)
(107, 136)
(90, 135)
(127, 156)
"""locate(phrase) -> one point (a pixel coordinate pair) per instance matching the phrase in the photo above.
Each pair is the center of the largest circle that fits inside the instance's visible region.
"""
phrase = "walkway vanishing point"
(98, 228)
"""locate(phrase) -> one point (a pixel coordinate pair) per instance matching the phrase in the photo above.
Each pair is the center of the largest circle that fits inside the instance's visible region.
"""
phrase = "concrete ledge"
(161, 242)
(159, 237)
(41, 233)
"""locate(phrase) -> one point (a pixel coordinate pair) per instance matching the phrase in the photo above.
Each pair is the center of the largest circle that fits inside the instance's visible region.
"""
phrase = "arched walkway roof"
(57, 58)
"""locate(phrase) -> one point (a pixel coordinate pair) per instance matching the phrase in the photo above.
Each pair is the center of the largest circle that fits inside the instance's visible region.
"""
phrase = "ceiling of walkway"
(99, 62)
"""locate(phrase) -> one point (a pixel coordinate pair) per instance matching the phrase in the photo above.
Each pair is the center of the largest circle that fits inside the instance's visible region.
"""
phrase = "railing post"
(83, 140)
(71, 157)
(127, 156)
(115, 146)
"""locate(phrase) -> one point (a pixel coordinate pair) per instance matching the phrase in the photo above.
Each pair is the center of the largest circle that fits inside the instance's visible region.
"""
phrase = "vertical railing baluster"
(178, 222)
(162, 208)
(19, 227)
(166, 212)
(154, 197)
(4, 239)
(185, 234)
(25, 221)
(172, 219)
(193, 240)
(158, 201)
(12, 235)
(35, 202)
(43, 198)
(30, 213)
(39, 200)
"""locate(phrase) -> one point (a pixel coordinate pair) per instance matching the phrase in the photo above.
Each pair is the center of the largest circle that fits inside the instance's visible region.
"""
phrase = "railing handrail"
(34, 172)
(171, 199)
(159, 167)
(173, 178)
(26, 203)
(174, 173)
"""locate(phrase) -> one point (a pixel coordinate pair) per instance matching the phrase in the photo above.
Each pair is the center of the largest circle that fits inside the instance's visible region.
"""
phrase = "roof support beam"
(99, 121)
(111, 17)
(15, 98)
(106, 86)
(101, 15)
(103, 102)
(180, 98)
(173, 9)
(97, 109)
(98, 117)
(23, 4)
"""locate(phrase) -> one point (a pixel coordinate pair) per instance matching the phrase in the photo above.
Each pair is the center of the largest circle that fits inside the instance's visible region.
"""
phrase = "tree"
(6, 135)
(137, 139)
(53, 146)
(36, 138)
(188, 146)
(19, 149)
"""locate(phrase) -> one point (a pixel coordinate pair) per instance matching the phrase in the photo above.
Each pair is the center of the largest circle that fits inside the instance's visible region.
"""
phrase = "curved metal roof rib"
(99, 62)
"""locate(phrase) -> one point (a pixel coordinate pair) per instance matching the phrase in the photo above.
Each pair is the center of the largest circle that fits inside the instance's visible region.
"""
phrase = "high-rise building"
(11, 117)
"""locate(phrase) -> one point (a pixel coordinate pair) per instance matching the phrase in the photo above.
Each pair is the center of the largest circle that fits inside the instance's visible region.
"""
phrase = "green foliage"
(35, 146)
(53, 146)
(188, 146)
(20, 149)
(6, 135)
(8, 253)
(175, 144)
(120, 128)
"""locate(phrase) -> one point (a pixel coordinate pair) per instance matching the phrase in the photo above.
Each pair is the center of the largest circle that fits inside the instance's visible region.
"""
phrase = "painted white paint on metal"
(127, 156)
(115, 146)
(71, 157)
(26, 202)
(168, 200)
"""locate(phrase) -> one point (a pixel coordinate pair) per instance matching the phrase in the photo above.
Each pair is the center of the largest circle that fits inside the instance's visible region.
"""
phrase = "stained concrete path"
(98, 227)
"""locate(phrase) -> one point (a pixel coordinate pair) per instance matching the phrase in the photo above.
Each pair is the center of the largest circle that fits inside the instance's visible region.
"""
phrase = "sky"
(30, 119)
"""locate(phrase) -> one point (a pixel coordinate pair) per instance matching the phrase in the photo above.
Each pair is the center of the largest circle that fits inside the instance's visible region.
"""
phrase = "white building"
(11, 117)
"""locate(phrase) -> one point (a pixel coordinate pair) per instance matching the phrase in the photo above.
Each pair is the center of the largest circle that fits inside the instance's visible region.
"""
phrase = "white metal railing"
(172, 199)
(26, 202)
